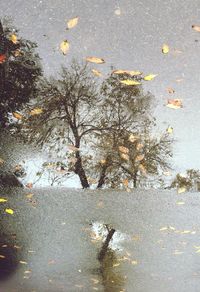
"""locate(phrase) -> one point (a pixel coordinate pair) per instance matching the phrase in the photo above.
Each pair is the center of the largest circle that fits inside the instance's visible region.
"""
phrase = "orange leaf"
(2, 58)
(174, 103)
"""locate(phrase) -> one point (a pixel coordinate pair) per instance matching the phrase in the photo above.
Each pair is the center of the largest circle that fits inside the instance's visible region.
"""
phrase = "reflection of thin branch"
(104, 248)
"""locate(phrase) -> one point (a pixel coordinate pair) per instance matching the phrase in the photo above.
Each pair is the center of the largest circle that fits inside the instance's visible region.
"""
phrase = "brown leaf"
(196, 28)
(174, 103)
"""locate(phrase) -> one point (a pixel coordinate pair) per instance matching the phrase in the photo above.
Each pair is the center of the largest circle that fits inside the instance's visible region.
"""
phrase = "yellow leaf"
(174, 103)
(132, 138)
(180, 203)
(96, 72)
(123, 149)
(64, 47)
(142, 169)
(170, 130)
(95, 60)
(3, 200)
(9, 211)
(132, 73)
(130, 82)
(36, 111)
(14, 39)
(17, 116)
(196, 28)
(23, 262)
(163, 228)
(181, 190)
(72, 22)
(150, 77)
(165, 49)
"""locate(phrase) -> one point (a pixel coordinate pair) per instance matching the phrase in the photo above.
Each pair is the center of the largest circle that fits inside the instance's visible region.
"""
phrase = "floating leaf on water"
(17, 116)
(130, 82)
(124, 156)
(72, 22)
(36, 111)
(150, 77)
(123, 149)
(129, 72)
(9, 211)
(174, 103)
(165, 49)
(170, 90)
(132, 138)
(181, 190)
(2, 200)
(117, 11)
(95, 60)
(23, 262)
(14, 39)
(170, 130)
(139, 157)
(64, 47)
(180, 203)
(72, 147)
(96, 72)
(2, 58)
(196, 28)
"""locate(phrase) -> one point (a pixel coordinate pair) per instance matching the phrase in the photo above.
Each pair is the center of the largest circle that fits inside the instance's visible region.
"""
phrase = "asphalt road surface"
(49, 243)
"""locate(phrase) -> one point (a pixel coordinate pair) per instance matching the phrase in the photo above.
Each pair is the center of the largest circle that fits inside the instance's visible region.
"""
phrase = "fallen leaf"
(130, 82)
(29, 185)
(96, 72)
(64, 47)
(72, 22)
(36, 111)
(163, 228)
(174, 103)
(165, 49)
(150, 77)
(117, 11)
(129, 72)
(2, 58)
(125, 182)
(72, 147)
(139, 157)
(23, 262)
(14, 39)
(3, 200)
(180, 203)
(170, 90)
(181, 190)
(170, 130)
(196, 28)
(123, 149)
(124, 156)
(9, 211)
(17, 116)
(95, 60)
(132, 138)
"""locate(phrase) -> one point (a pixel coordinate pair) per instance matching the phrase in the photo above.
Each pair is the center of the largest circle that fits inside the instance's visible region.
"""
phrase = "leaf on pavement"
(9, 211)
(95, 60)
(165, 49)
(72, 22)
(174, 103)
(64, 47)
(150, 77)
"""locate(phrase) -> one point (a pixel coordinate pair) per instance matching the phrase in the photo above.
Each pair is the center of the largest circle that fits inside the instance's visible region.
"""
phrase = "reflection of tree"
(112, 280)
